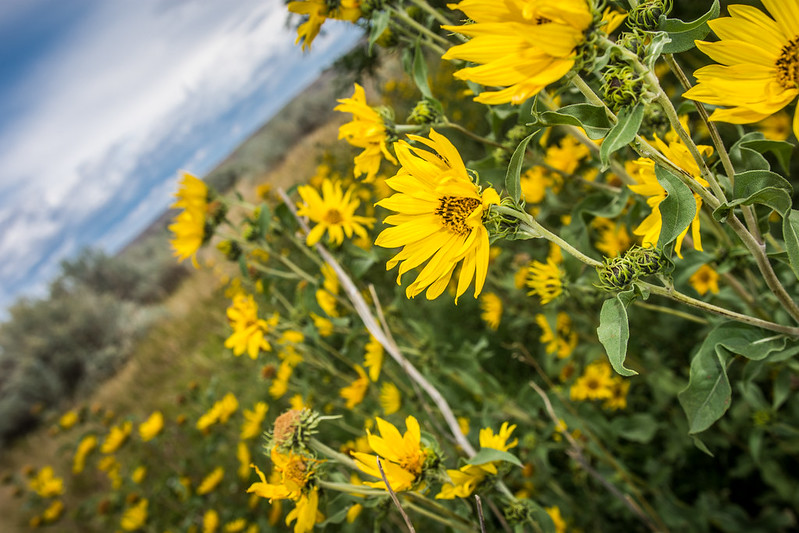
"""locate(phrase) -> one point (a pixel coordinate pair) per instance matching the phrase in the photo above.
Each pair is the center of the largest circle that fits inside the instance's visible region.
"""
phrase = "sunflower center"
(454, 210)
(413, 462)
(294, 472)
(788, 65)
(333, 216)
(592, 384)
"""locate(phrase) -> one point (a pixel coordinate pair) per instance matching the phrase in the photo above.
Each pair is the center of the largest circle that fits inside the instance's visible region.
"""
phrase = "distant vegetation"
(63, 345)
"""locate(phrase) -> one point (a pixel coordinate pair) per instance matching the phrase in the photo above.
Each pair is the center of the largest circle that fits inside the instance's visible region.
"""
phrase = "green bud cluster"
(646, 15)
(621, 86)
(619, 273)
(634, 42)
(230, 249)
(292, 431)
(520, 512)
(424, 112)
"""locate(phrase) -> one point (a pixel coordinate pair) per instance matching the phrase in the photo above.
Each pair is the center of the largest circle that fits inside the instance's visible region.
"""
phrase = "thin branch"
(394, 497)
(577, 454)
(385, 340)
(480, 513)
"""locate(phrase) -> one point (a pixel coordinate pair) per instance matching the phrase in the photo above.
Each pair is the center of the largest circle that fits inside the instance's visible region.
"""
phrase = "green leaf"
(683, 34)
(622, 133)
(379, 24)
(639, 427)
(708, 394)
(614, 331)
(489, 455)
(420, 72)
(678, 210)
(758, 187)
(593, 119)
(513, 176)
(701, 445)
(782, 150)
(264, 219)
(790, 234)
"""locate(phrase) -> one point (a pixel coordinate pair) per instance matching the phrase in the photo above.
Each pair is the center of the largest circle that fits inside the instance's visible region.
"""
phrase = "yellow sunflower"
(249, 331)
(333, 211)
(759, 70)
(318, 11)
(402, 454)
(189, 226)
(521, 45)
(366, 130)
(439, 218)
(642, 171)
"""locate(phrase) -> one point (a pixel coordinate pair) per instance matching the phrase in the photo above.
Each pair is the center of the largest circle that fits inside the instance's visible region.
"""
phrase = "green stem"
(471, 135)
(326, 450)
(432, 504)
(404, 17)
(441, 19)
(349, 488)
(677, 296)
(535, 230)
(412, 38)
(437, 517)
(724, 156)
(670, 311)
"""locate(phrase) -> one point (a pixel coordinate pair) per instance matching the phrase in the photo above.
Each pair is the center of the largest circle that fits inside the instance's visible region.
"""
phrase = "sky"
(102, 103)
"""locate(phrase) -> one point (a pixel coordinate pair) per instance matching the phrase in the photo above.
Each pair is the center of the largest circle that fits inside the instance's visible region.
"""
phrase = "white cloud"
(131, 79)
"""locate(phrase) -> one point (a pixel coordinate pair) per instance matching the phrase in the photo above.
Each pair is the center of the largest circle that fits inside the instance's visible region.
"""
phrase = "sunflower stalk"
(404, 17)
(724, 156)
(377, 332)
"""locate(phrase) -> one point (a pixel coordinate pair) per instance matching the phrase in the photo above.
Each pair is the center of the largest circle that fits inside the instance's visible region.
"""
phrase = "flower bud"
(424, 112)
(621, 86)
(646, 15)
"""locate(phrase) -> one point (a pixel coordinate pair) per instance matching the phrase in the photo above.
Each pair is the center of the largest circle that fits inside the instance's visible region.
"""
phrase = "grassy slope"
(186, 346)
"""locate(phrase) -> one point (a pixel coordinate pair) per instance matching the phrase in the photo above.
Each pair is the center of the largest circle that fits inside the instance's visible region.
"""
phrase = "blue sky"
(101, 103)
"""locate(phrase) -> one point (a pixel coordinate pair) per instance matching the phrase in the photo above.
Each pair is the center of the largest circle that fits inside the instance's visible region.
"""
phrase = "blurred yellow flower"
(152, 426)
(245, 458)
(367, 130)
(545, 280)
(116, 437)
(618, 394)
(563, 340)
(235, 526)
(249, 331)
(323, 325)
(355, 391)
(68, 419)
(557, 519)
(613, 238)
(188, 227)
(210, 482)
(596, 383)
(210, 521)
(439, 218)
(318, 11)
(53, 511)
(85, 446)
(705, 280)
(220, 412)
(523, 47)
(402, 454)
(138, 475)
(251, 427)
(333, 212)
(373, 360)
(491, 307)
(135, 516)
(46, 484)
(390, 398)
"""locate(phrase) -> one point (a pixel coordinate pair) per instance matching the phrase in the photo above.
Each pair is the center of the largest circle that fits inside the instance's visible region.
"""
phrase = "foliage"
(627, 361)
